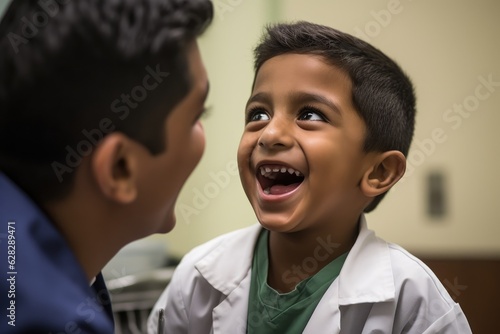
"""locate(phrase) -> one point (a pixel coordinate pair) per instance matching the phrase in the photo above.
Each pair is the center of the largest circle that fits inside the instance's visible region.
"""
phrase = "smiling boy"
(56, 96)
(327, 127)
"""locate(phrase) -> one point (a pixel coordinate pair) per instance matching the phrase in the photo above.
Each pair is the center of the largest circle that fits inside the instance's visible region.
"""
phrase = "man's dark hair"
(382, 94)
(68, 70)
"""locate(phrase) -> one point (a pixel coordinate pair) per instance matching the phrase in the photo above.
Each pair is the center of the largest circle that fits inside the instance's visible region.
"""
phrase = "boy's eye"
(311, 114)
(257, 114)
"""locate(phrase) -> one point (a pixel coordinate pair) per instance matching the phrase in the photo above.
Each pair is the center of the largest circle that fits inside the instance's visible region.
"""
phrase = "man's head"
(381, 93)
(76, 72)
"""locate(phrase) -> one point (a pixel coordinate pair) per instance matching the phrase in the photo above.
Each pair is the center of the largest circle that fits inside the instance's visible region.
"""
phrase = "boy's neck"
(294, 257)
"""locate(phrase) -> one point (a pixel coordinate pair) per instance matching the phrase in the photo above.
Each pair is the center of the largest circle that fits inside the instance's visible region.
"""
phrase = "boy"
(328, 125)
(95, 99)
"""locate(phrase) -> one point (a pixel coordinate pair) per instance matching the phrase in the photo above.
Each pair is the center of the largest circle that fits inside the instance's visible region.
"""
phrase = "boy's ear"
(114, 168)
(387, 168)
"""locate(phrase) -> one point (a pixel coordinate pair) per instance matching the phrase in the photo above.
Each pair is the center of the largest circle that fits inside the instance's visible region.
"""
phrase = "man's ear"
(114, 167)
(387, 168)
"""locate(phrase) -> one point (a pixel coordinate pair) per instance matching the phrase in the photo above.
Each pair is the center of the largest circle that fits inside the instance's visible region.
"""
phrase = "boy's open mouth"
(278, 180)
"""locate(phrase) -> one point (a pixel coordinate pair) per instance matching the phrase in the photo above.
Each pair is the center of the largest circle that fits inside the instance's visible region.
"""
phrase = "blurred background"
(444, 210)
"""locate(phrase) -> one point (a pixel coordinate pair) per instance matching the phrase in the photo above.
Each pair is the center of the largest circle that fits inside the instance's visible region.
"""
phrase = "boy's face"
(300, 156)
(163, 175)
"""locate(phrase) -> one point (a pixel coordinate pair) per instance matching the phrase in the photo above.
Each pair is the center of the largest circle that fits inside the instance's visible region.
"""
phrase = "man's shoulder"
(46, 297)
(49, 291)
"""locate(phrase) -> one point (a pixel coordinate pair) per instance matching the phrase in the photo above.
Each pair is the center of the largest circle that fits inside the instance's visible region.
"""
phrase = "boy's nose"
(276, 135)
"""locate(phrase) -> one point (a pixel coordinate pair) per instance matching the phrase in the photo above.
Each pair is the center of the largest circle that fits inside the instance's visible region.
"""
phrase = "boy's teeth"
(267, 191)
(271, 173)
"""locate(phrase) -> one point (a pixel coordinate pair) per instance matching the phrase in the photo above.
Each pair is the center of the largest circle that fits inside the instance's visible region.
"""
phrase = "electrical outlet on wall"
(436, 194)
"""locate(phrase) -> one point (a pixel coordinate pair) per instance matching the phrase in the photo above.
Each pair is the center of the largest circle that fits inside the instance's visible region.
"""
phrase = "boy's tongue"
(279, 189)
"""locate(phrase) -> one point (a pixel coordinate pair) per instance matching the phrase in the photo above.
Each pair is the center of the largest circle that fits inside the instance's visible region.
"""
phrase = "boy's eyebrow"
(304, 97)
(298, 98)
(259, 97)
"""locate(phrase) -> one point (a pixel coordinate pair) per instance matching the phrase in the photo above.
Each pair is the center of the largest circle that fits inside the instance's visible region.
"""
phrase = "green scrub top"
(272, 312)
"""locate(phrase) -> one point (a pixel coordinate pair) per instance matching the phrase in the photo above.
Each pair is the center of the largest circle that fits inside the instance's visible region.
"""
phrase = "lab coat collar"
(366, 276)
(219, 267)
(227, 269)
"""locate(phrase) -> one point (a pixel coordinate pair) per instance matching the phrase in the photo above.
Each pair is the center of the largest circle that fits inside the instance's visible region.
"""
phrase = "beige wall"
(444, 46)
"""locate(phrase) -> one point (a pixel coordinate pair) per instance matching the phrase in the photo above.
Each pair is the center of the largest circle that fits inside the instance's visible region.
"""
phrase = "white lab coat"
(380, 289)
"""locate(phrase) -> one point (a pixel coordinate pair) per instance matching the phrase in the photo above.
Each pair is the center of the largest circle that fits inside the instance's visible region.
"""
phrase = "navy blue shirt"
(43, 288)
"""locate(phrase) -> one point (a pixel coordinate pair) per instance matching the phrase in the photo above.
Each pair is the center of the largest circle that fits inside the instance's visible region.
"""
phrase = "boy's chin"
(278, 224)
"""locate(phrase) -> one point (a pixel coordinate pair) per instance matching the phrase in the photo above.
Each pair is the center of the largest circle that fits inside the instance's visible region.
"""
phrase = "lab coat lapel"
(230, 316)
(228, 264)
(227, 268)
(366, 277)
(327, 313)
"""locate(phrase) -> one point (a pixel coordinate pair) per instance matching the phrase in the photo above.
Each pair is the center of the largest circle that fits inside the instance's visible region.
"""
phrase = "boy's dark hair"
(382, 94)
(68, 69)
